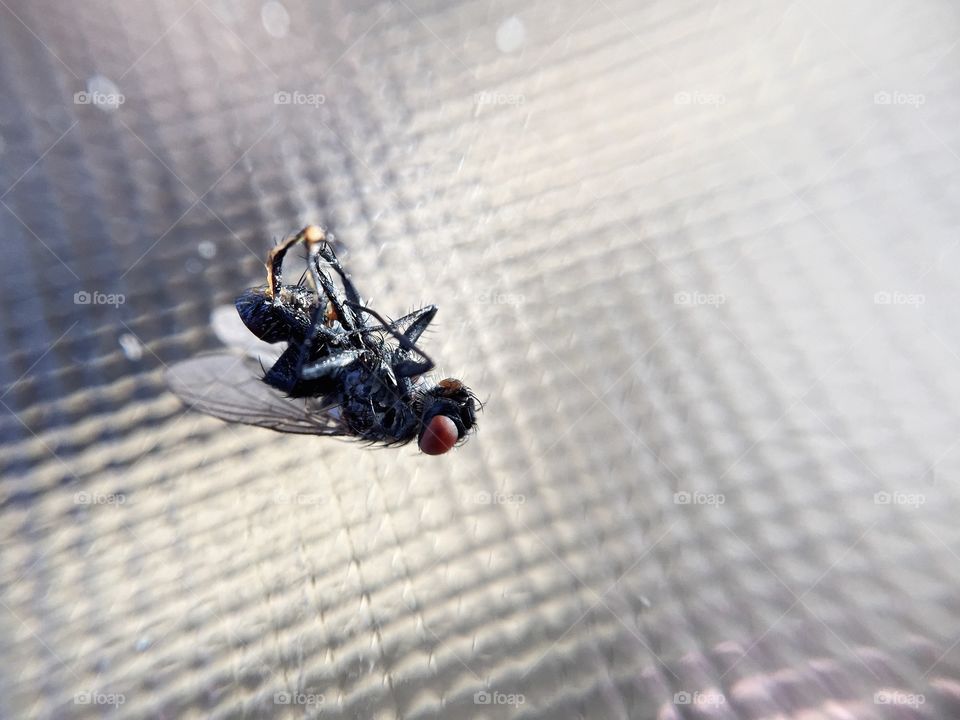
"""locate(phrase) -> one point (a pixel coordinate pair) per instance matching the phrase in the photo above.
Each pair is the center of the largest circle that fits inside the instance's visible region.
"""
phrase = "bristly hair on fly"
(338, 373)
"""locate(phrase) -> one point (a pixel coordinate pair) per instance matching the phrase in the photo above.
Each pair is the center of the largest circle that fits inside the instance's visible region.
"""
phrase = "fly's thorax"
(374, 406)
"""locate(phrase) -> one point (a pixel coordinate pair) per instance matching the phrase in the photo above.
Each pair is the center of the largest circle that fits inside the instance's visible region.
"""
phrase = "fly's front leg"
(330, 257)
(413, 325)
(336, 356)
(323, 282)
(406, 367)
(276, 255)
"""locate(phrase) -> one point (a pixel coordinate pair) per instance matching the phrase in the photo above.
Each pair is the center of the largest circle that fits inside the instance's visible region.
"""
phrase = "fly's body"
(345, 370)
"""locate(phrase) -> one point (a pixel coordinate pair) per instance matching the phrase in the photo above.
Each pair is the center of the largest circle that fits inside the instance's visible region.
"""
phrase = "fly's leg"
(318, 332)
(264, 310)
(407, 367)
(353, 295)
(337, 357)
(306, 367)
(284, 374)
(416, 322)
(276, 255)
(411, 325)
(323, 282)
(328, 366)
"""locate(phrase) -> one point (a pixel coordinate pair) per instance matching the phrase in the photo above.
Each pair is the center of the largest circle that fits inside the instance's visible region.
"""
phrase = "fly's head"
(448, 412)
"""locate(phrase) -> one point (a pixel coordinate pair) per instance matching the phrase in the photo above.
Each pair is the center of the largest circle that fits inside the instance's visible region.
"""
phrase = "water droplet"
(511, 35)
(131, 347)
(207, 249)
(102, 92)
(275, 19)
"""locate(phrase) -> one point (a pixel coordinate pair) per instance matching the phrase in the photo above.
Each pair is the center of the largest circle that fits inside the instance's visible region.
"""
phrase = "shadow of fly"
(345, 370)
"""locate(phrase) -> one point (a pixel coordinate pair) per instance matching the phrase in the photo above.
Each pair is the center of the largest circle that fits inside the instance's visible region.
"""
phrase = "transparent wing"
(228, 386)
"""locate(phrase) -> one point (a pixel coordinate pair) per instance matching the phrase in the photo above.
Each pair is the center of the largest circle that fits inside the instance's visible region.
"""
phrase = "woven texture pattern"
(698, 258)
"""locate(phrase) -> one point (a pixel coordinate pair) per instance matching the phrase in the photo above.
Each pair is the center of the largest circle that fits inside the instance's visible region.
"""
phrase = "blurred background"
(698, 258)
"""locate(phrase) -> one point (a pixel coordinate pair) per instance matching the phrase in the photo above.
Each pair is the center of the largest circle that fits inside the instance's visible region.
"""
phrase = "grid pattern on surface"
(695, 257)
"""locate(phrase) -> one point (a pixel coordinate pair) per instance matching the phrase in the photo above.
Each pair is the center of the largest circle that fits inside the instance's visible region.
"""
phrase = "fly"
(345, 370)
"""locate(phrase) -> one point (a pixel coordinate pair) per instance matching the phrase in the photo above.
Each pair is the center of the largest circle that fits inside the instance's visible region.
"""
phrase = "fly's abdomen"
(273, 321)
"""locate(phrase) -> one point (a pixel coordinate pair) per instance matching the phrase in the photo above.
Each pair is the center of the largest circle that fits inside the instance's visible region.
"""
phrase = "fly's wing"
(228, 386)
(231, 331)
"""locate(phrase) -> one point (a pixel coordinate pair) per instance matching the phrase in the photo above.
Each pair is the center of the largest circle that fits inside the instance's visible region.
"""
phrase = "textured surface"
(687, 251)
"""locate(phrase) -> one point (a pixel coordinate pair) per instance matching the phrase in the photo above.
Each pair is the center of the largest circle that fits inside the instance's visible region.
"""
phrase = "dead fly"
(345, 370)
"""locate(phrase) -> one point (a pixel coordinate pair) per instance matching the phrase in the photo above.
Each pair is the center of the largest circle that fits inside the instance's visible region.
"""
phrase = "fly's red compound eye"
(439, 436)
